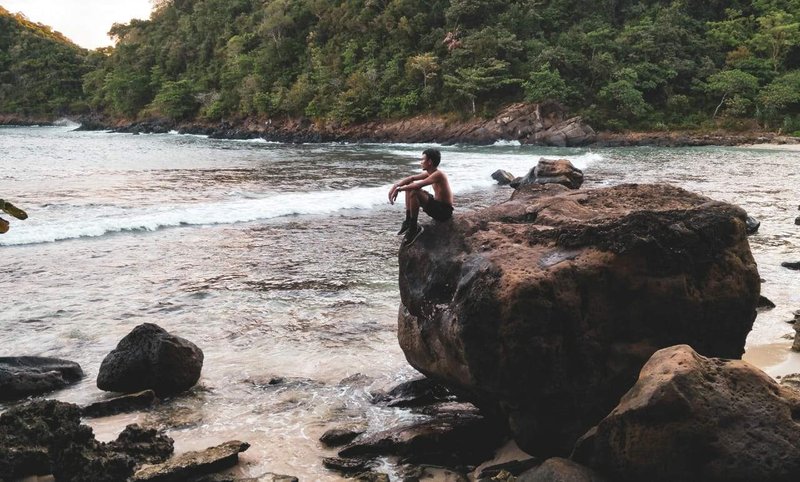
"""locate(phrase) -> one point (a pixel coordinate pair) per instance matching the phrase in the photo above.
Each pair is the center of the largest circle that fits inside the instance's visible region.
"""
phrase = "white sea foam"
(505, 143)
(227, 212)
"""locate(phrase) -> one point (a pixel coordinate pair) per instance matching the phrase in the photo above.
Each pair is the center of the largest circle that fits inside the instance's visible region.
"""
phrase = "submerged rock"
(545, 308)
(795, 265)
(695, 418)
(151, 358)
(22, 376)
(337, 437)
(415, 393)
(122, 404)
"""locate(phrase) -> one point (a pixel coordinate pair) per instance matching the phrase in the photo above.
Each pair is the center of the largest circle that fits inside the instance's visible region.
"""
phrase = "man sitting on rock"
(439, 206)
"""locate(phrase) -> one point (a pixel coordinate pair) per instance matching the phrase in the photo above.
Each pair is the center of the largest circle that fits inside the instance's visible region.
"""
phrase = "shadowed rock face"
(695, 418)
(545, 308)
(22, 376)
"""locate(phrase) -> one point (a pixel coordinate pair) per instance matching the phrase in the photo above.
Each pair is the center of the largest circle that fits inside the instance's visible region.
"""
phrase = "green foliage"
(40, 70)
(621, 64)
(175, 100)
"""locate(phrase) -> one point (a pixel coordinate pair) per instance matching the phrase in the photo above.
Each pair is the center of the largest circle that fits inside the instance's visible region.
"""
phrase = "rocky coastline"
(545, 125)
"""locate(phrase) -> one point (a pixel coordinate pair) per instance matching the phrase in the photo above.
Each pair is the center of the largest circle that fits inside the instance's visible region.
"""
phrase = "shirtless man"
(439, 206)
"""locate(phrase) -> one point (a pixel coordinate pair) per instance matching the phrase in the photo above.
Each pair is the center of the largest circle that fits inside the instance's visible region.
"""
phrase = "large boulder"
(21, 376)
(544, 308)
(695, 418)
(151, 358)
(552, 171)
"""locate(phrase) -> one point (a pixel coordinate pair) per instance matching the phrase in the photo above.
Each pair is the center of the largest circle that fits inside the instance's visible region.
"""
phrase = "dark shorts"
(438, 210)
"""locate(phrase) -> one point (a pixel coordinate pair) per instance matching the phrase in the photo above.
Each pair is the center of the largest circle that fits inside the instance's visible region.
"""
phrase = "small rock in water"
(797, 220)
(149, 357)
(413, 393)
(752, 224)
(795, 265)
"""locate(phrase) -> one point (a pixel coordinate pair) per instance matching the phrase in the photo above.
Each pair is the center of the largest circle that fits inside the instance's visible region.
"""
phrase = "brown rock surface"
(695, 418)
(545, 308)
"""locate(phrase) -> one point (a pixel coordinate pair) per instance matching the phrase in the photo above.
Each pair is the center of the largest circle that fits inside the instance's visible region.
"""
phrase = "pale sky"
(85, 22)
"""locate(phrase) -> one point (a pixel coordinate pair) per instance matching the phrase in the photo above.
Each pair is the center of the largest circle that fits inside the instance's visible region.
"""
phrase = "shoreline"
(430, 129)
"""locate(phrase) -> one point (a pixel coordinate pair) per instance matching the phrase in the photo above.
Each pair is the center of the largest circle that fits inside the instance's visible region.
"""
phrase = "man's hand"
(393, 193)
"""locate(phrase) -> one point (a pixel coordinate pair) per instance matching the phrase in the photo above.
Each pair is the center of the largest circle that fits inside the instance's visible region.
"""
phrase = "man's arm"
(421, 181)
(396, 187)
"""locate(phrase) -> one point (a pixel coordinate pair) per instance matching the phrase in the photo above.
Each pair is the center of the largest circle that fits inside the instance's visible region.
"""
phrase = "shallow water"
(281, 261)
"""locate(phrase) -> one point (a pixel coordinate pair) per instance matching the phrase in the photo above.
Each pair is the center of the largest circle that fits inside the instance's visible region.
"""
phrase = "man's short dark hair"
(434, 155)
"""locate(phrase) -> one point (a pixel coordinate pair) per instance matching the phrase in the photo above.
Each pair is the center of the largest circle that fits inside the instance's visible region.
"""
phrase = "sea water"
(280, 262)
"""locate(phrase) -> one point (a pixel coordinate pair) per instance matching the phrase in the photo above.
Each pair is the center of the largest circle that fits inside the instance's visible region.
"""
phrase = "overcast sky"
(85, 22)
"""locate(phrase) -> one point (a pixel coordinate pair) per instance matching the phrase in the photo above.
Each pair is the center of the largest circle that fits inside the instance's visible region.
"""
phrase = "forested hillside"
(41, 71)
(620, 63)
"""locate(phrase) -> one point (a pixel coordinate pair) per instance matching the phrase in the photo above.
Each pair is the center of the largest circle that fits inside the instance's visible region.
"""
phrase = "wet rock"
(557, 469)
(337, 437)
(193, 464)
(145, 445)
(151, 358)
(544, 308)
(454, 439)
(27, 431)
(694, 418)
(414, 393)
(122, 404)
(797, 220)
(514, 467)
(371, 476)
(752, 225)
(552, 171)
(347, 465)
(46, 436)
(795, 265)
(22, 376)
(502, 177)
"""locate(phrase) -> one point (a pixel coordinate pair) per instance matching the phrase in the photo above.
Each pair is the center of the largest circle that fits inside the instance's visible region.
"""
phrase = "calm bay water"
(281, 261)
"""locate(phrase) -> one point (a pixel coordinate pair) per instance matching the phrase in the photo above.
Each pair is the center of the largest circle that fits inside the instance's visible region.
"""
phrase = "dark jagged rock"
(151, 358)
(46, 436)
(414, 393)
(22, 376)
(695, 418)
(122, 404)
(451, 439)
(193, 464)
(145, 445)
(337, 437)
(797, 220)
(795, 265)
(545, 308)
(752, 225)
(791, 381)
(502, 177)
(549, 171)
(764, 303)
(557, 469)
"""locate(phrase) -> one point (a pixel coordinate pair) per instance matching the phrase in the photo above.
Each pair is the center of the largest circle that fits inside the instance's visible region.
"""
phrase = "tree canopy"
(619, 63)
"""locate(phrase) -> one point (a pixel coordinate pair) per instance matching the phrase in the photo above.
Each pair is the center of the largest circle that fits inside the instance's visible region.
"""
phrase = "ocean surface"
(280, 260)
